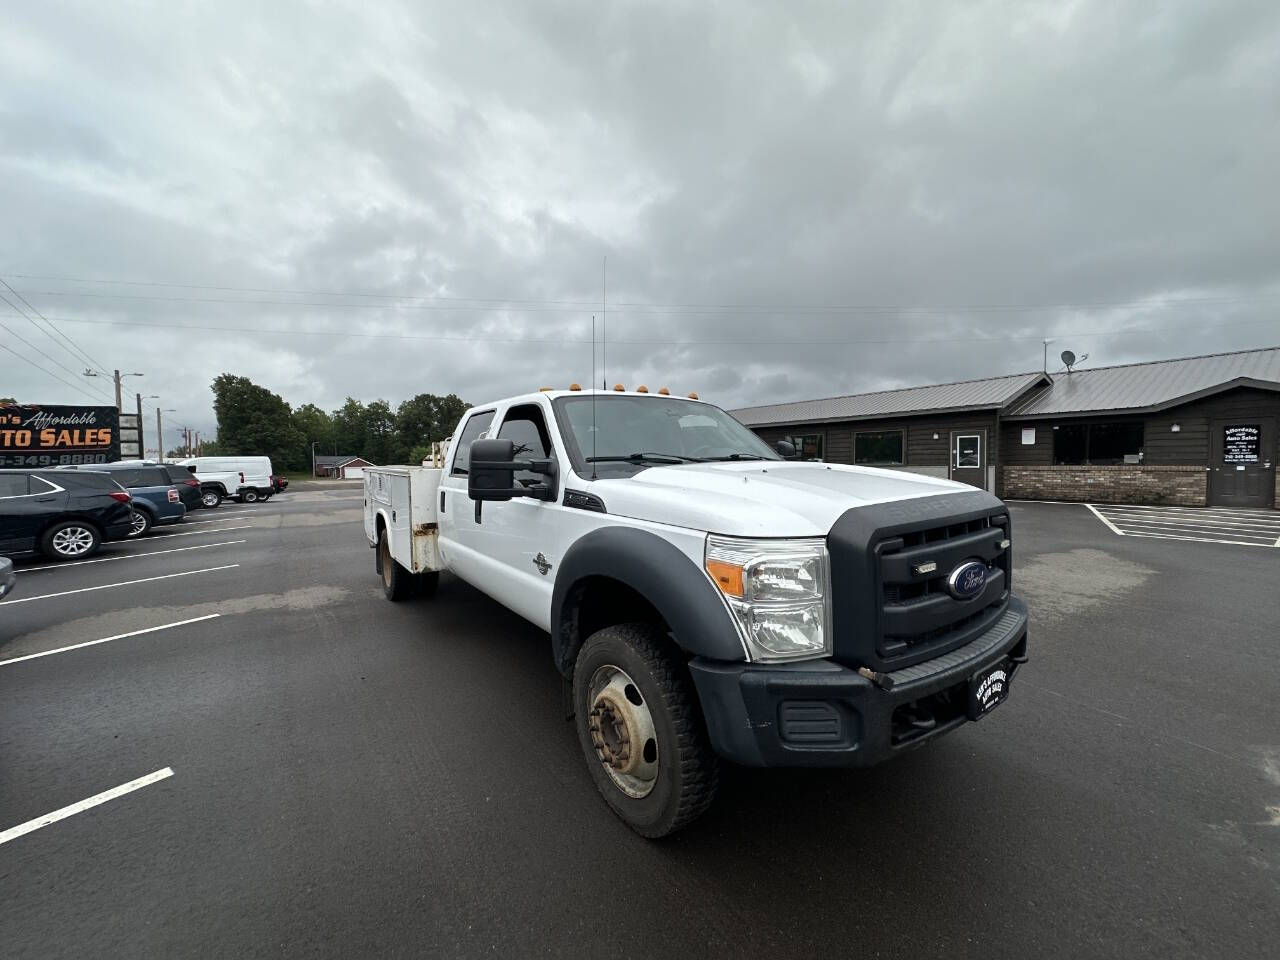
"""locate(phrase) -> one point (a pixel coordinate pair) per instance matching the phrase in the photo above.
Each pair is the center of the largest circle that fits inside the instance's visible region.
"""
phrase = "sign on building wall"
(1242, 444)
(49, 436)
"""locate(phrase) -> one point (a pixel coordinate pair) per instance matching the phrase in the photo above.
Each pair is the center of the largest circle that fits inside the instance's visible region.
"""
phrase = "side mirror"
(491, 472)
(191, 469)
(786, 449)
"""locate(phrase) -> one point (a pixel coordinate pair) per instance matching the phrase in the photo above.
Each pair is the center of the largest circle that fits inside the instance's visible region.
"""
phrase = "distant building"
(341, 468)
(1197, 431)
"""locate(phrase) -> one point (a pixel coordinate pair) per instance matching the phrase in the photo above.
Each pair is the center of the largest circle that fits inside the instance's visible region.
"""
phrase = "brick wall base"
(1185, 486)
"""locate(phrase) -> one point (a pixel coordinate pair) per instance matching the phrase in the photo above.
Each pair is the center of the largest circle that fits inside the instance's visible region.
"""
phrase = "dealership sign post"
(49, 436)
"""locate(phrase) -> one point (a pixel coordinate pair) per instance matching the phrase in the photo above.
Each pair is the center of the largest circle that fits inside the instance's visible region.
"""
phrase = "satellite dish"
(1068, 358)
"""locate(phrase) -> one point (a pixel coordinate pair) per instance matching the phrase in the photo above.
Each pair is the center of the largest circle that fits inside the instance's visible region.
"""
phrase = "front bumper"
(820, 713)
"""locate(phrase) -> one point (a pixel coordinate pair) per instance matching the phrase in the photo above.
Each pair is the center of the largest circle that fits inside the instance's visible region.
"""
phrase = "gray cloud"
(865, 180)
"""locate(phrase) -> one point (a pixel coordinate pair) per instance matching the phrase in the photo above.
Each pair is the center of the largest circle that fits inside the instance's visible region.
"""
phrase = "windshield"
(631, 433)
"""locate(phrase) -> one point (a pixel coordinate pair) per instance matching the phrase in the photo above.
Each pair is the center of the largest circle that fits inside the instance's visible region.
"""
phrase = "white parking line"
(118, 636)
(1114, 529)
(1224, 517)
(79, 807)
(1236, 543)
(128, 556)
(156, 534)
(224, 518)
(122, 583)
(1129, 519)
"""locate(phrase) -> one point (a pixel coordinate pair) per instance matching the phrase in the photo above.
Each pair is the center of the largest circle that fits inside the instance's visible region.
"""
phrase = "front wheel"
(140, 525)
(210, 499)
(641, 729)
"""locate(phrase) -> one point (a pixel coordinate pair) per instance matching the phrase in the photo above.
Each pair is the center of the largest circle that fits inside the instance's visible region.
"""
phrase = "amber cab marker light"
(574, 386)
(642, 389)
(693, 396)
(545, 389)
(728, 577)
(619, 387)
(663, 391)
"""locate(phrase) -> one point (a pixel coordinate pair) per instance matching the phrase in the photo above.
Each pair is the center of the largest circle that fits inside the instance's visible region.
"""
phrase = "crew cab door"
(459, 533)
(513, 553)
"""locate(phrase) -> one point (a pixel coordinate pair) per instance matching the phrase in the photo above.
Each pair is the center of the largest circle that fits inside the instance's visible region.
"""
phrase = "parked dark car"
(8, 579)
(188, 486)
(64, 514)
(156, 500)
(279, 483)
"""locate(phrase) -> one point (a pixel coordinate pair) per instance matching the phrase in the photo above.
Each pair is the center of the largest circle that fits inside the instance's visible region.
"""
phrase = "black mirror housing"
(491, 472)
(786, 449)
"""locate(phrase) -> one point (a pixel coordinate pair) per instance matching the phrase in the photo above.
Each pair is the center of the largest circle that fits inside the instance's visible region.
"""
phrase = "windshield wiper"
(738, 456)
(648, 458)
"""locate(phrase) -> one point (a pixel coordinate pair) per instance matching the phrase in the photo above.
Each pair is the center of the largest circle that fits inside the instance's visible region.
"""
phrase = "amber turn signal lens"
(728, 577)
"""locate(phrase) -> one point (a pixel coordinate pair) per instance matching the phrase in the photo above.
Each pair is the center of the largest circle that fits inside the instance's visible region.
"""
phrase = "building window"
(1098, 443)
(808, 445)
(883, 448)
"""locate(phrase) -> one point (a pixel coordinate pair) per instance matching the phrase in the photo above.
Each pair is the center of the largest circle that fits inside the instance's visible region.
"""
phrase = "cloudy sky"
(795, 199)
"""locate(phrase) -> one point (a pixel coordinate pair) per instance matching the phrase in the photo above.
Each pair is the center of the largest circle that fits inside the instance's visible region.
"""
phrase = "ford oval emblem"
(967, 580)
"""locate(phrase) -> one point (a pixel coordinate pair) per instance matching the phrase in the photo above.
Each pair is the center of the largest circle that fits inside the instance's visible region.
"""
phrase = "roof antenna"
(593, 396)
(604, 323)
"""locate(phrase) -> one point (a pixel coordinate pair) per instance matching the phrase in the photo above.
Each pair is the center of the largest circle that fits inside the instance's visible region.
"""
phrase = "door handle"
(442, 501)
(45, 499)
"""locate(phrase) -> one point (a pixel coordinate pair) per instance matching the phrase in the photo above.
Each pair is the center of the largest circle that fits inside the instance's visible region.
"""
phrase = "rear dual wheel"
(397, 582)
(641, 729)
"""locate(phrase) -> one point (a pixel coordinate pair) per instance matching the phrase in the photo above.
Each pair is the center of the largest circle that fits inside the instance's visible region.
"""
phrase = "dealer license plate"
(989, 688)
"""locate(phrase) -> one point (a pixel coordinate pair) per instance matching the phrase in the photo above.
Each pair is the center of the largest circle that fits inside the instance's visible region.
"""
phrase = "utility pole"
(313, 457)
(159, 436)
(197, 443)
(142, 444)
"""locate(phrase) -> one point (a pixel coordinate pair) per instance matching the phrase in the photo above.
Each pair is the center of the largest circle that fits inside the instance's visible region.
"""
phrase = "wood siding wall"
(1162, 447)
(919, 447)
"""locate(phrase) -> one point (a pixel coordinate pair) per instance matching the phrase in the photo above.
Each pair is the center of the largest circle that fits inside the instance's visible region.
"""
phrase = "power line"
(730, 341)
(73, 386)
(487, 303)
(39, 352)
(76, 347)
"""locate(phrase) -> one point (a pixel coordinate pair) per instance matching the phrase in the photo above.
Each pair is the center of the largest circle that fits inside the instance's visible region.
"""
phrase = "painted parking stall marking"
(47, 567)
(22, 829)
(118, 636)
(1245, 528)
(122, 583)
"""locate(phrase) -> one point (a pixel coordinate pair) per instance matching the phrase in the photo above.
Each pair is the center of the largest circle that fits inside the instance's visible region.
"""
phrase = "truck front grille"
(916, 613)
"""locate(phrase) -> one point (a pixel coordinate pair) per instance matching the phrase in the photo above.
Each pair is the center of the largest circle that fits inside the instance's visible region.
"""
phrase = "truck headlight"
(779, 592)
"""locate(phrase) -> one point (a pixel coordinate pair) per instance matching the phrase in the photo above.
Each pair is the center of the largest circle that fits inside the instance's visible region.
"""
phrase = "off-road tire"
(89, 535)
(688, 769)
(397, 582)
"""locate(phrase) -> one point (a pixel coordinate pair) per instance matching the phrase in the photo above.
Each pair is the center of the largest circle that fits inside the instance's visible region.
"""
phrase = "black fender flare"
(679, 590)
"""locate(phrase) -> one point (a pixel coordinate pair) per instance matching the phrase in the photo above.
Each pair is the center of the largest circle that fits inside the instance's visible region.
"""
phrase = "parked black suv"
(65, 514)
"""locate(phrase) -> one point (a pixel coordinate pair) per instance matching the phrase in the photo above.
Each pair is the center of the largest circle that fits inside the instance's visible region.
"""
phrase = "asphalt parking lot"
(349, 777)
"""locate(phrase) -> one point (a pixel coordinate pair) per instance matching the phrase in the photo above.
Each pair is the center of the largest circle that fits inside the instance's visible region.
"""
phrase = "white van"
(246, 478)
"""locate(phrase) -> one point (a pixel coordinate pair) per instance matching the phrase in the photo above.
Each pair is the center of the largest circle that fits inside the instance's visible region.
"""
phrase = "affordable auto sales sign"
(41, 436)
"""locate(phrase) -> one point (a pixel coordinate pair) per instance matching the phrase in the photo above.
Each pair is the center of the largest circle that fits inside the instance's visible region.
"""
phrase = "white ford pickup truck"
(706, 597)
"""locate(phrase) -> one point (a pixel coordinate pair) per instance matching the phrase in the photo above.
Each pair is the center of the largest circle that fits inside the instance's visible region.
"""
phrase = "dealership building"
(1196, 431)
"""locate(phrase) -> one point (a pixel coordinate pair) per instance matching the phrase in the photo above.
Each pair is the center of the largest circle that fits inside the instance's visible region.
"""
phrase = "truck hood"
(760, 499)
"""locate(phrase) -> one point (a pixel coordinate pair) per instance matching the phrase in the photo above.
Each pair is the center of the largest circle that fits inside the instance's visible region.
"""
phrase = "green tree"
(427, 417)
(253, 421)
(314, 426)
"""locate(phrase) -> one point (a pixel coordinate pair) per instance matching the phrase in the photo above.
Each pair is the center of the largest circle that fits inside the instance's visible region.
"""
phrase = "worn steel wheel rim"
(622, 731)
(137, 524)
(72, 541)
